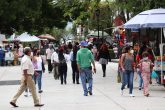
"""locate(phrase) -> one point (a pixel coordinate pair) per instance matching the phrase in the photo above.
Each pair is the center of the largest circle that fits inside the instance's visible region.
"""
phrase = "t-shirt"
(84, 58)
(26, 64)
(54, 57)
(20, 51)
(49, 53)
(145, 66)
(39, 64)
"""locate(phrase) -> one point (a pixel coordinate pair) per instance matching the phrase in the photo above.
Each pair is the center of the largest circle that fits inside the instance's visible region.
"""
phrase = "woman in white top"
(39, 69)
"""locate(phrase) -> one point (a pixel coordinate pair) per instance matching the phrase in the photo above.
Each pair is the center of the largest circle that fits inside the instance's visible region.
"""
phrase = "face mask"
(145, 58)
(132, 51)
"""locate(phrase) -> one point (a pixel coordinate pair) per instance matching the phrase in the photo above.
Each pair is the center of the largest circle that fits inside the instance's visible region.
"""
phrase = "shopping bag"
(118, 78)
(154, 74)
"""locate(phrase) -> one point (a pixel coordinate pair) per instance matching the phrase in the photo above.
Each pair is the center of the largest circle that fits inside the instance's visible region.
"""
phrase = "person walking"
(9, 57)
(49, 52)
(145, 68)
(94, 51)
(39, 69)
(62, 66)
(84, 59)
(128, 67)
(104, 57)
(27, 80)
(55, 62)
(75, 72)
(140, 79)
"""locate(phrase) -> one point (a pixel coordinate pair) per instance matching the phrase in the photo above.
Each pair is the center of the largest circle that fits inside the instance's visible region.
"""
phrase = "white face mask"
(145, 58)
(132, 51)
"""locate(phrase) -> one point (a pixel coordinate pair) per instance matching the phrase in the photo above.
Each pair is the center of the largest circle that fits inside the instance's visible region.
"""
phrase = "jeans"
(38, 79)
(140, 79)
(128, 79)
(86, 74)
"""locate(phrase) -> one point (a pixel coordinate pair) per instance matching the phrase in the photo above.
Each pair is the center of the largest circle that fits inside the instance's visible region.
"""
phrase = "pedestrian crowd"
(82, 56)
(11, 55)
(133, 63)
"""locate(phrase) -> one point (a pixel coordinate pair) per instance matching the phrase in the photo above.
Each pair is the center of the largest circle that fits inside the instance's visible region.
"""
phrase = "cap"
(83, 43)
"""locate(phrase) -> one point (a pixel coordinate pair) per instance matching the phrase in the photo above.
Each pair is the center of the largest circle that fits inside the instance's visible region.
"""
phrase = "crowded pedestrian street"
(106, 92)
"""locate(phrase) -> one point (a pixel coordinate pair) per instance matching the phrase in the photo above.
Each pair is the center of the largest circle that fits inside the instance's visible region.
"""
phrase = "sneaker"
(40, 91)
(13, 104)
(121, 92)
(131, 95)
(90, 93)
(147, 95)
(39, 105)
(26, 94)
(65, 82)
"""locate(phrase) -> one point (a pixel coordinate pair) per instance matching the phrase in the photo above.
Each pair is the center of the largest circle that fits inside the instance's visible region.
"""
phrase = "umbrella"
(154, 18)
(46, 36)
(95, 34)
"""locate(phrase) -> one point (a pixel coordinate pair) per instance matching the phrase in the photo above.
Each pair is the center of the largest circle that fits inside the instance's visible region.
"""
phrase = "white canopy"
(25, 37)
(154, 18)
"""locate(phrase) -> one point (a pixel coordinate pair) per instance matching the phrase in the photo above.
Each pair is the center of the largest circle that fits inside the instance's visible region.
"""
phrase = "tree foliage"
(129, 8)
(43, 16)
(30, 15)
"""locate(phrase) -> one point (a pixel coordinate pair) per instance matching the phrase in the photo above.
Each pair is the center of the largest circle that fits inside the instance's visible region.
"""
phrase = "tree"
(30, 15)
(129, 8)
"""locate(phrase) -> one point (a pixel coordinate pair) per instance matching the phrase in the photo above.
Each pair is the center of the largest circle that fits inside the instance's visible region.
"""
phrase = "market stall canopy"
(25, 37)
(46, 36)
(12, 38)
(154, 18)
(95, 34)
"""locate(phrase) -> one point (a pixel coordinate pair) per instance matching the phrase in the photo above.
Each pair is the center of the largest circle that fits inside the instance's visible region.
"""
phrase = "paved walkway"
(106, 95)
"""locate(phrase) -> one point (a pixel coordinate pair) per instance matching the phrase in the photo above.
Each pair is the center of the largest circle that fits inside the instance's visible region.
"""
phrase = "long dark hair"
(127, 49)
(61, 55)
(75, 49)
(104, 48)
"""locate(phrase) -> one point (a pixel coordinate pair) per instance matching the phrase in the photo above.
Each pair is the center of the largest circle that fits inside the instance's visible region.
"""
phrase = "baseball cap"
(83, 43)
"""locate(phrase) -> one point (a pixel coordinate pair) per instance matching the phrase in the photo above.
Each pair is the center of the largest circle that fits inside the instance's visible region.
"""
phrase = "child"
(145, 68)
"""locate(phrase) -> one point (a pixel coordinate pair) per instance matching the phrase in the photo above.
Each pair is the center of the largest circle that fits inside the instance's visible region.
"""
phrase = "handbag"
(154, 74)
(118, 77)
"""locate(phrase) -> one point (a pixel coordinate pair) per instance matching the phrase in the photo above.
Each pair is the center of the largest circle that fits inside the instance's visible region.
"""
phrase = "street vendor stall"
(151, 19)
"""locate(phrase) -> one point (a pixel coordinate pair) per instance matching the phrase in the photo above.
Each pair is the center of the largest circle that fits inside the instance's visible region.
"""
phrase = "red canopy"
(46, 36)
